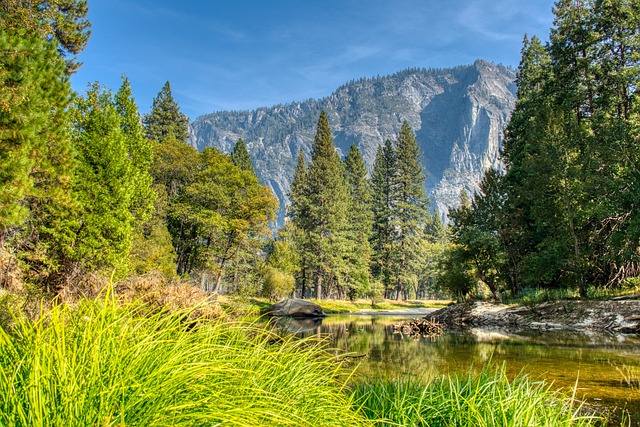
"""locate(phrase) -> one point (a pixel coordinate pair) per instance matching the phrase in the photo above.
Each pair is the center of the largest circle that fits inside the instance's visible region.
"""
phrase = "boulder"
(296, 308)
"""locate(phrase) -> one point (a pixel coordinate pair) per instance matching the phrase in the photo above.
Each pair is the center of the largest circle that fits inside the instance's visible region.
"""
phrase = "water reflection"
(606, 367)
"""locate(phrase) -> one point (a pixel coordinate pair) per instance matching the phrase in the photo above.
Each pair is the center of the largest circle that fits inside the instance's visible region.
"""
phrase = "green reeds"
(107, 364)
(482, 399)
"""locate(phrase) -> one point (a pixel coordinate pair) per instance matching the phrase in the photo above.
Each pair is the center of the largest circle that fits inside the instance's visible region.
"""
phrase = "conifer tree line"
(355, 236)
(565, 214)
(87, 187)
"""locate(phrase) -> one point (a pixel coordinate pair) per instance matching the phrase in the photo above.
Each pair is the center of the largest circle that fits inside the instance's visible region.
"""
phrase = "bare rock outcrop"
(458, 115)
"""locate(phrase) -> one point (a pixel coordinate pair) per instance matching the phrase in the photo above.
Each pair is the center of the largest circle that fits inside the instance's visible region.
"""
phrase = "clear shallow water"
(606, 367)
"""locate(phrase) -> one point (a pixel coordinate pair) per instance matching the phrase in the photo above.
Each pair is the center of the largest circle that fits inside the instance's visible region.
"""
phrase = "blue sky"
(243, 54)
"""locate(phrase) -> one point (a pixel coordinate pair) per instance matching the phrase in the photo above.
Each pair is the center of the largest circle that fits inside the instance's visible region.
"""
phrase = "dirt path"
(612, 316)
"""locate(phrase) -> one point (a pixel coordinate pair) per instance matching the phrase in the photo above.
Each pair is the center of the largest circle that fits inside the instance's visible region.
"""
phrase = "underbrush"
(482, 399)
(107, 363)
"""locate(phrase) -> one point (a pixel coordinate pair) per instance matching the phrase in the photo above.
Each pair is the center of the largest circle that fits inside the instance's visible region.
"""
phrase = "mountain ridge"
(458, 115)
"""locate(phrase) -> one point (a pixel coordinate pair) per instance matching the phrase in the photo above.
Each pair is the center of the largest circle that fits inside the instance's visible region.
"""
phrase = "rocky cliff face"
(458, 115)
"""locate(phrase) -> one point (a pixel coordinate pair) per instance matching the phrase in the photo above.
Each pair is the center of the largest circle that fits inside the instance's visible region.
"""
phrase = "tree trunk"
(203, 281)
(303, 290)
(319, 286)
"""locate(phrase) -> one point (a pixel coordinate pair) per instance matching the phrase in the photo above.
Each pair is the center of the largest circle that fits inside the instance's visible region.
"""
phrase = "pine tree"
(359, 222)
(165, 121)
(140, 153)
(327, 195)
(411, 210)
(436, 230)
(36, 160)
(298, 214)
(104, 185)
(62, 22)
(383, 179)
(240, 157)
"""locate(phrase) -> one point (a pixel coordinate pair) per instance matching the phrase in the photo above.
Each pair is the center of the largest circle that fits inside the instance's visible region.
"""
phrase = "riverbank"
(254, 307)
(620, 316)
(105, 361)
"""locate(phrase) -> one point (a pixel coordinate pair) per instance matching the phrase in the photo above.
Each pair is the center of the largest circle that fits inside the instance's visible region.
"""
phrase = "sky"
(243, 54)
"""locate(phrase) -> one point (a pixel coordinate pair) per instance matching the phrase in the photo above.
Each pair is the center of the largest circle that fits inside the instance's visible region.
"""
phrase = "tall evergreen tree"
(327, 195)
(61, 21)
(240, 157)
(411, 210)
(166, 121)
(36, 156)
(383, 184)
(298, 214)
(359, 222)
(105, 183)
(140, 153)
(571, 152)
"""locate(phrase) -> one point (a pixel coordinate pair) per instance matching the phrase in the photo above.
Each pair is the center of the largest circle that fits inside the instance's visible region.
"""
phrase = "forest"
(89, 188)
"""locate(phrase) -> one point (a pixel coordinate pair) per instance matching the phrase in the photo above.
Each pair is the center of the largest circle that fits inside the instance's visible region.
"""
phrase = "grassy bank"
(256, 306)
(344, 306)
(106, 364)
(110, 363)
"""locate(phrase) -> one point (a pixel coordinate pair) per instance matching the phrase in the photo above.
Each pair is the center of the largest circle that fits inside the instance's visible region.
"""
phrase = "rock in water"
(296, 308)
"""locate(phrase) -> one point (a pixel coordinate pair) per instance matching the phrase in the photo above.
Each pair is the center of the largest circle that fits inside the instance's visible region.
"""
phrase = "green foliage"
(383, 233)
(474, 232)
(152, 247)
(400, 215)
(104, 185)
(240, 157)
(410, 212)
(113, 184)
(359, 223)
(479, 399)
(174, 165)
(456, 277)
(319, 211)
(564, 214)
(165, 121)
(61, 22)
(277, 284)
(33, 98)
(36, 155)
(222, 210)
(140, 152)
(107, 364)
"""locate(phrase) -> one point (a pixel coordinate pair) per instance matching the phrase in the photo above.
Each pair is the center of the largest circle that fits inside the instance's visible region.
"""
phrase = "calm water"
(606, 367)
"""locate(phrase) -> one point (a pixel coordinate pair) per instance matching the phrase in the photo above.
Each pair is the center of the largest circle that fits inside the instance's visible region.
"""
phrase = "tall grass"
(482, 399)
(108, 364)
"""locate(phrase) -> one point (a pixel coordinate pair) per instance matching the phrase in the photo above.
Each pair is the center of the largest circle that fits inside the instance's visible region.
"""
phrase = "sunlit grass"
(254, 306)
(105, 364)
(345, 306)
(482, 399)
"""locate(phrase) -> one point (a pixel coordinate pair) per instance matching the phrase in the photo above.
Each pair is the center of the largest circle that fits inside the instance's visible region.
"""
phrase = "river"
(605, 367)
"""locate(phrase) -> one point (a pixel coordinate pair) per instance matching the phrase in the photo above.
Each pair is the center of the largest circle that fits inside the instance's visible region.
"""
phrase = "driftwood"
(417, 328)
